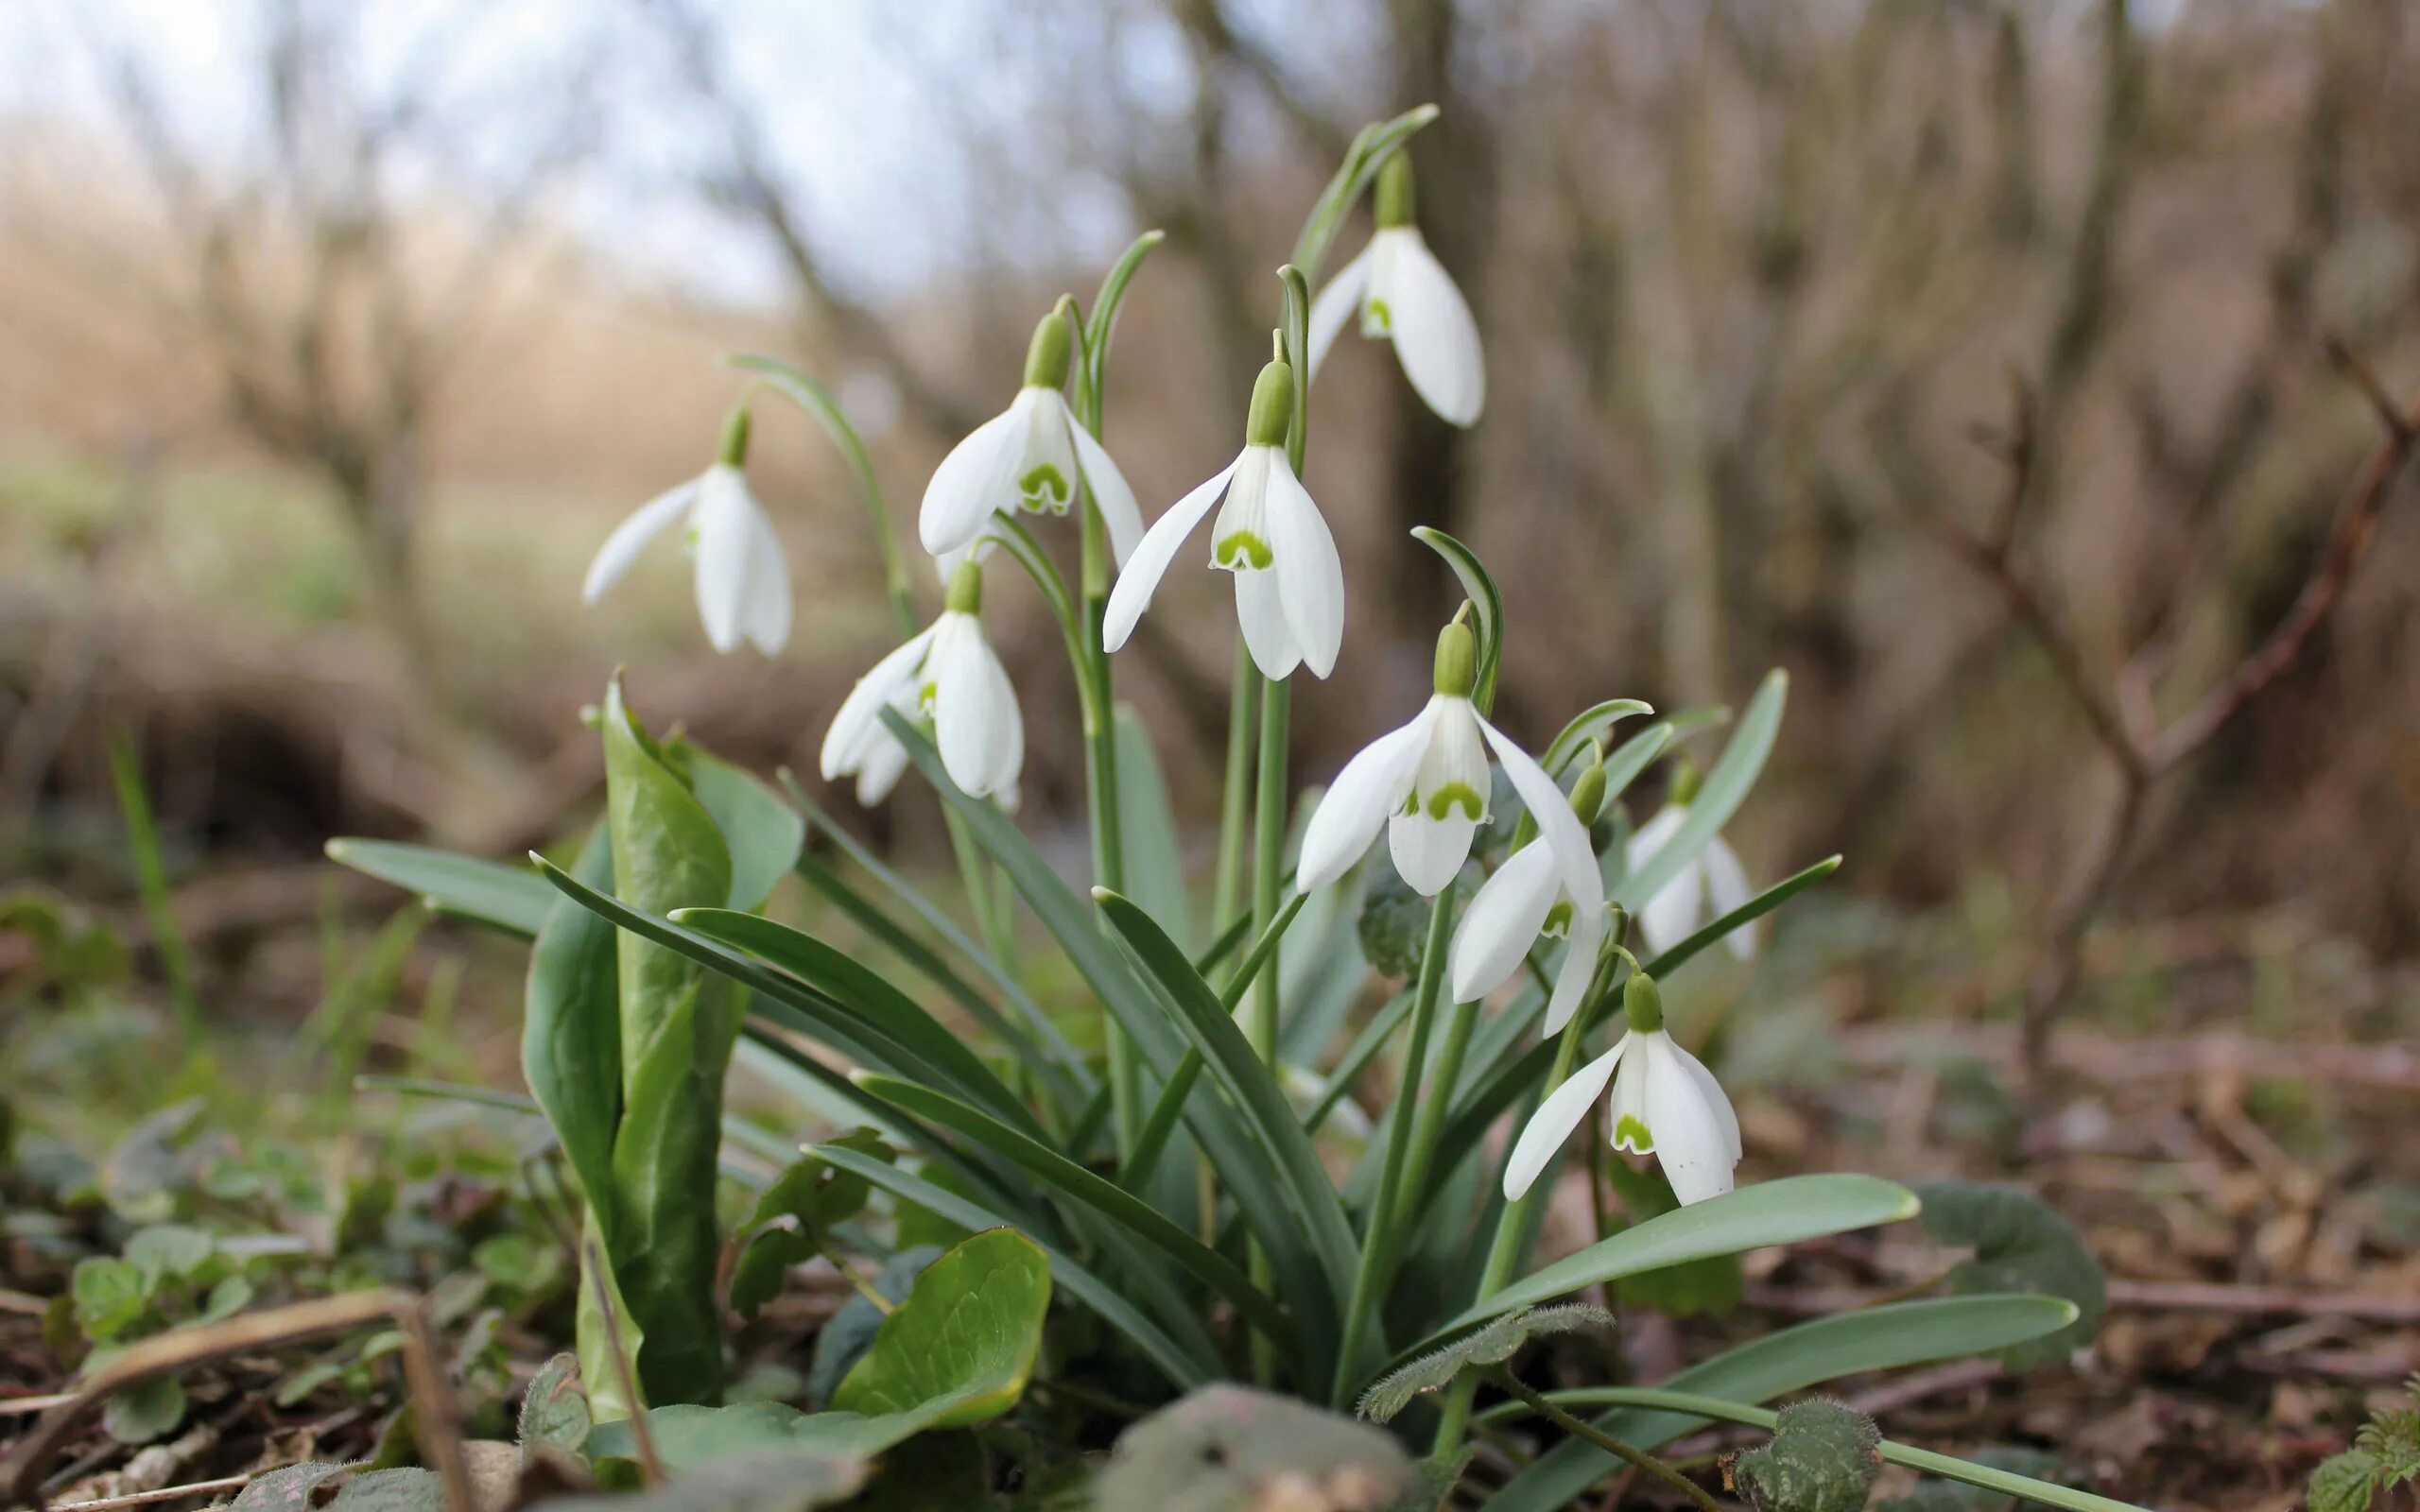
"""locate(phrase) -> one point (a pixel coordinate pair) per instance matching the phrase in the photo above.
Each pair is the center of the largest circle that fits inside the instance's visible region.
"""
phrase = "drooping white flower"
(1428, 784)
(743, 585)
(1665, 1103)
(1290, 581)
(1028, 456)
(1526, 898)
(1404, 295)
(1710, 885)
(949, 673)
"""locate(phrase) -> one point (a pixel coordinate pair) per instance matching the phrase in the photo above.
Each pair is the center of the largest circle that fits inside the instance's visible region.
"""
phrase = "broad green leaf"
(1230, 1059)
(1147, 832)
(1726, 788)
(1770, 1213)
(1246, 1167)
(1754, 908)
(761, 1480)
(1713, 1285)
(1112, 1201)
(512, 898)
(959, 1351)
(677, 1028)
(1223, 1446)
(762, 833)
(848, 1334)
(1822, 1459)
(570, 1037)
(2345, 1481)
(403, 1489)
(1877, 1338)
(144, 1411)
(2021, 1245)
(688, 1436)
(1489, 605)
(1670, 1406)
(1493, 1345)
(554, 1411)
(1115, 1309)
(792, 1215)
(108, 1296)
(169, 1252)
(286, 1489)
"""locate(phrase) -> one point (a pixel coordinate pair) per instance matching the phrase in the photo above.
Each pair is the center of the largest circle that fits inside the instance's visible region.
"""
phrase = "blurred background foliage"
(337, 334)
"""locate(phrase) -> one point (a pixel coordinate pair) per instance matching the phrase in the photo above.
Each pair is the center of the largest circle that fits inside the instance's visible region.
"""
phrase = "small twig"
(19, 1406)
(21, 1303)
(164, 1493)
(1539, 1402)
(437, 1418)
(2201, 1297)
(642, 1436)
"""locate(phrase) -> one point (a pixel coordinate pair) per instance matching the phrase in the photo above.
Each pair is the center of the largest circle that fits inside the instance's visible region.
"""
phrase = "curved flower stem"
(1431, 1123)
(1544, 1406)
(1379, 1236)
(1504, 1251)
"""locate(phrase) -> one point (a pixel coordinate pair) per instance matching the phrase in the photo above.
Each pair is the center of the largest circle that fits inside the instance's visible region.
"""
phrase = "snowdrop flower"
(1527, 897)
(949, 673)
(1710, 886)
(1404, 295)
(1029, 455)
(743, 586)
(1289, 582)
(1428, 784)
(1665, 1103)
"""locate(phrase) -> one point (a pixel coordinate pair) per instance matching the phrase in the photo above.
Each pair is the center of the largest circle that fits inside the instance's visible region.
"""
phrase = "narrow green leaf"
(1146, 831)
(1877, 1338)
(960, 1351)
(1096, 1192)
(1102, 325)
(511, 899)
(1163, 1351)
(1754, 908)
(1726, 788)
(1353, 176)
(1770, 1213)
(1589, 724)
(1717, 1409)
(1480, 590)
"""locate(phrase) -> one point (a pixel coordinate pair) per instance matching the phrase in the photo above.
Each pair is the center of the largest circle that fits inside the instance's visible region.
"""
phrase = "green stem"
(1431, 1125)
(1235, 797)
(1378, 1235)
(1504, 1252)
(1539, 1402)
(1268, 853)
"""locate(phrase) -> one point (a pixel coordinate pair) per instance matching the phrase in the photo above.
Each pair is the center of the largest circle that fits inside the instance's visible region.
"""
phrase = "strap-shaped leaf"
(1229, 1056)
(1115, 1309)
(1371, 148)
(512, 898)
(1726, 788)
(1103, 1196)
(1587, 725)
(1102, 323)
(1480, 590)
(1877, 1338)
(1754, 908)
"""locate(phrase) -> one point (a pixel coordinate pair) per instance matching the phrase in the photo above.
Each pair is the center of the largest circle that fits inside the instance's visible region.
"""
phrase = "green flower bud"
(1395, 192)
(1272, 407)
(1457, 671)
(1589, 794)
(1686, 780)
(1045, 357)
(965, 595)
(1642, 1003)
(734, 452)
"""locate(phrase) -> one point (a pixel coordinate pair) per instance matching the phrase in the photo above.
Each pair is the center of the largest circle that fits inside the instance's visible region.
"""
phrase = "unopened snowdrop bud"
(1028, 456)
(1527, 901)
(743, 586)
(1665, 1103)
(1403, 295)
(1290, 581)
(948, 673)
(1709, 885)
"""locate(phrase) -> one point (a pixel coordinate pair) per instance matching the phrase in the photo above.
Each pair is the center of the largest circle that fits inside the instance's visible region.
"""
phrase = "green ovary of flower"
(1457, 794)
(1243, 550)
(1044, 488)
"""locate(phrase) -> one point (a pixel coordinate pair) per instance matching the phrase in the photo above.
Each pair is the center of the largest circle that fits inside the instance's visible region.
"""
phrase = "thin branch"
(1544, 1406)
(164, 1493)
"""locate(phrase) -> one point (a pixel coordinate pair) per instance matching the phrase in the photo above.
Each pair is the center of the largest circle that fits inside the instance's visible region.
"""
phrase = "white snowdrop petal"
(1690, 1143)
(1335, 305)
(1310, 575)
(1652, 836)
(1716, 1097)
(1626, 1112)
(1044, 478)
(630, 537)
(1430, 850)
(1502, 923)
(768, 609)
(1726, 888)
(1371, 786)
(1674, 912)
(1140, 578)
(1561, 828)
(976, 722)
(1260, 613)
(1436, 339)
(1561, 1112)
(1579, 968)
(726, 531)
(890, 680)
(1116, 500)
(880, 771)
(977, 478)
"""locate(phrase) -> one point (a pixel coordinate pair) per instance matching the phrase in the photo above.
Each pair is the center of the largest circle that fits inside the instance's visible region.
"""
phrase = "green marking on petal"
(1241, 550)
(1376, 317)
(1411, 805)
(924, 696)
(1044, 488)
(1630, 1134)
(1456, 795)
(1558, 922)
